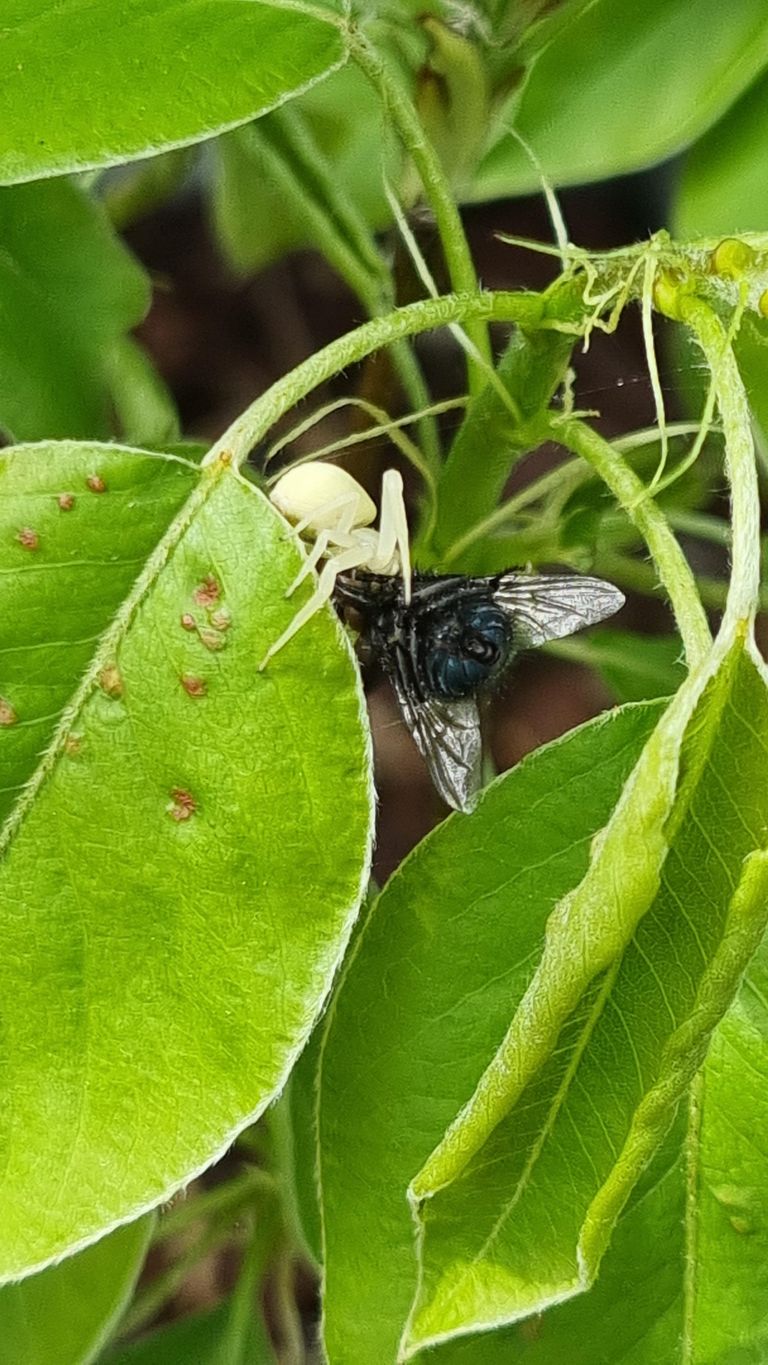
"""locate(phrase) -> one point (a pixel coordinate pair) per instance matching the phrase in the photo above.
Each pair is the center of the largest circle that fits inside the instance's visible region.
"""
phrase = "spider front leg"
(340, 534)
(346, 559)
(393, 540)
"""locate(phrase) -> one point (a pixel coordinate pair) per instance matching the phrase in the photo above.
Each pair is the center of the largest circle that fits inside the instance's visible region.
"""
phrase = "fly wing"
(547, 606)
(446, 733)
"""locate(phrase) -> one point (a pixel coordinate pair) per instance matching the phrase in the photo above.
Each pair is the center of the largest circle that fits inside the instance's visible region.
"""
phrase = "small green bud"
(669, 289)
(732, 258)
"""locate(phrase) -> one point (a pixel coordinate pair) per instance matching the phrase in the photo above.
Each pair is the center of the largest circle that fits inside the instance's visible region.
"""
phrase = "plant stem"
(287, 1311)
(671, 565)
(437, 188)
(251, 425)
(744, 591)
(245, 1322)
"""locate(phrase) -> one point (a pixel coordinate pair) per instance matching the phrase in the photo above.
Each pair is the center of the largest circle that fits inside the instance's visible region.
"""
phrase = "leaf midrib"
(110, 639)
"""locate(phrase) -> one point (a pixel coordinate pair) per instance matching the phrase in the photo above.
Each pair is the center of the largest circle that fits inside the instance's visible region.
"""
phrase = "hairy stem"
(744, 590)
(437, 188)
(251, 426)
(670, 563)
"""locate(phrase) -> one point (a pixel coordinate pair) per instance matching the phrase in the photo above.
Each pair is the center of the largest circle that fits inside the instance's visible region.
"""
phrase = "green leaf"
(644, 1267)
(144, 406)
(426, 997)
(68, 291)
(635, 667)
(177, 887)
(63, 1315)
(97, 83)
(500, 1241)
(723, 186)
(590, 107)
(302, 1106)
(693, 1239)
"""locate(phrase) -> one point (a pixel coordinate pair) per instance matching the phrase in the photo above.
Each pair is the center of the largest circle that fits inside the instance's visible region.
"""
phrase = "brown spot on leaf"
(181, 805)
(7, 714)
(221, 619)
(96, 483)
(194, 687)
(66, 501)
(188, 621)
(73, 744)
(212, 639)
(207, 592)
(111, 681)
(28, 538)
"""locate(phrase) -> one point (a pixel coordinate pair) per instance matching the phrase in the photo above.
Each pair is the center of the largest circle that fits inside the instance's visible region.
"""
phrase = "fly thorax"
(464, 647)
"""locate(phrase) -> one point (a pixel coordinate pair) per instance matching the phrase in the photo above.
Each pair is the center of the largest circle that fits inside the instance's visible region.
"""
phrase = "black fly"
(454, 637)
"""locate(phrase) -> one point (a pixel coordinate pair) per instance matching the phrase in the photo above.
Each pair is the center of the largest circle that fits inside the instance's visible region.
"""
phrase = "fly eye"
(480, 647)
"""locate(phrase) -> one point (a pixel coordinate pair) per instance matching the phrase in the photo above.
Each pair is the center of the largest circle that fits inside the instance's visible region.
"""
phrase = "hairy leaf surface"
(693, 1239)
(94, 82)
(176, 887)
(425, 999)
(502, 1241)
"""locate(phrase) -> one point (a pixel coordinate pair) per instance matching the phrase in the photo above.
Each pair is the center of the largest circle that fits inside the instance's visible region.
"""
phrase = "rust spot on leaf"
(207, 592)
(194, 687)
(96, 483)
(66, 501)
(28, 538)
(221, 619)
(212, 639)
(181, 805)
(110, 681)
(7, 714)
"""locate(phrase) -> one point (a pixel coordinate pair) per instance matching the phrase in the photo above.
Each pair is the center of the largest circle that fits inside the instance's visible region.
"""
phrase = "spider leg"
(312, 560)
(347, 559)
(346, 505)
(335, 539)
(393, 530)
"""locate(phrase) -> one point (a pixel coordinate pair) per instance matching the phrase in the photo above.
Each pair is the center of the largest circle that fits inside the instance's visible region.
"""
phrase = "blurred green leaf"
(144, 407)
(424, 1001)
(590, 107)
(724, 186)
(63, 1315)
(177, 887)
(275, 190)
(69, 291)
(94, 84)
(635, 667)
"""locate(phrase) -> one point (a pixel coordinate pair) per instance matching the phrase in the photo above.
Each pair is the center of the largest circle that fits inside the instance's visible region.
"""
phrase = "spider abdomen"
(462, 648)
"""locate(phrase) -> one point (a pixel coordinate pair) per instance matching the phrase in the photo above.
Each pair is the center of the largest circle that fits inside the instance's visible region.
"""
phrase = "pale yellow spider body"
(328, 507)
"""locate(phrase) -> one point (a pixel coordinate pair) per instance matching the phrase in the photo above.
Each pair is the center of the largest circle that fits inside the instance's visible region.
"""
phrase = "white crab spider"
(326, 505)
